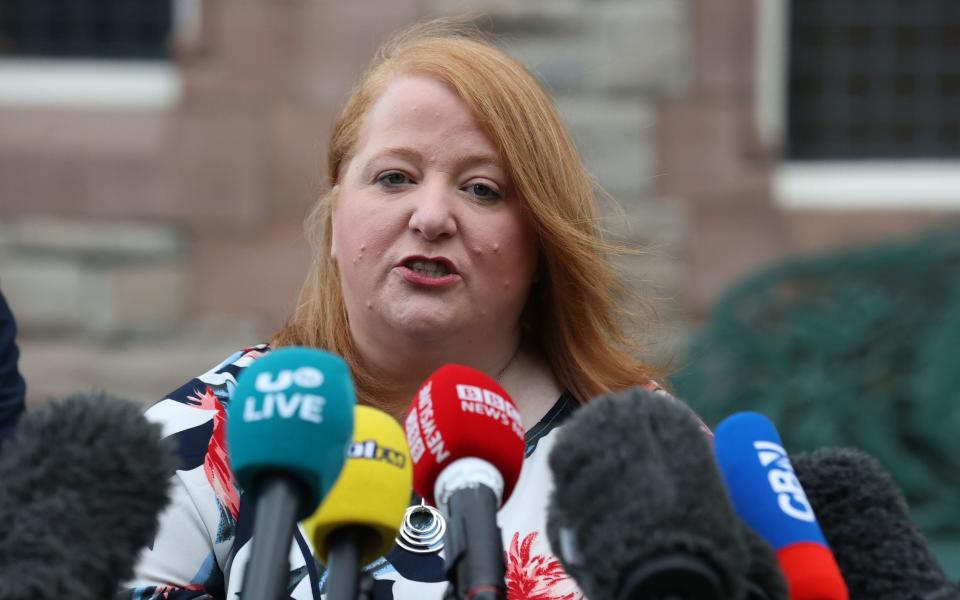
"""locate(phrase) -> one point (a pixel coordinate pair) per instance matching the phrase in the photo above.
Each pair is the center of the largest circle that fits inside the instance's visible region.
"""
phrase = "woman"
(459, 227)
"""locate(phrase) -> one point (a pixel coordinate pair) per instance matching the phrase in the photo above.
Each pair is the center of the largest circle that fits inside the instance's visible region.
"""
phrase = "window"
(91, 53)
(862, 99)
(100, 29)
(873, 80)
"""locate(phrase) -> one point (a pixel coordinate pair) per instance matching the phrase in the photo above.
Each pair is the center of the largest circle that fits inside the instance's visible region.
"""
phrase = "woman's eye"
(393, 178)
(483, 191)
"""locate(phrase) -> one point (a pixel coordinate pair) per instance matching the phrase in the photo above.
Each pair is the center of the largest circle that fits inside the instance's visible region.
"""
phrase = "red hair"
(572, 314)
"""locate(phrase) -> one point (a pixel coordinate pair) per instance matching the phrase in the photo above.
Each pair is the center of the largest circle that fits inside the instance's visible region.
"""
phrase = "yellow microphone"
(359, 519)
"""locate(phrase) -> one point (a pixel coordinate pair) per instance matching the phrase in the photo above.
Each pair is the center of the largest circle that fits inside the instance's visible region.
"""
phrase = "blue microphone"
(769, 498)
(289, 429)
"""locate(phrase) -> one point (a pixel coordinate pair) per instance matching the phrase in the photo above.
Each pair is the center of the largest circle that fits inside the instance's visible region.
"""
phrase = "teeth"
(429, 268)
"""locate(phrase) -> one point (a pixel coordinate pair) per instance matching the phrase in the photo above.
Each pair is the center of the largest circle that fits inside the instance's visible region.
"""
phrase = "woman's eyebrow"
(396, 151)
(468, 159)
(480, 160)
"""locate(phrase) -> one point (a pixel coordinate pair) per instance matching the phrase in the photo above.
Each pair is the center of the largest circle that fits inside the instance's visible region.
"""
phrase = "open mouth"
(429, 268)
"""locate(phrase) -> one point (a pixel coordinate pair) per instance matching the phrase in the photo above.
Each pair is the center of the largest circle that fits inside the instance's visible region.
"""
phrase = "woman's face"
(429, 239)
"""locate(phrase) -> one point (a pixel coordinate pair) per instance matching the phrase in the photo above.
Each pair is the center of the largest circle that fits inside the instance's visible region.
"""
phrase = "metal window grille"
(102, 29)
(876, 79)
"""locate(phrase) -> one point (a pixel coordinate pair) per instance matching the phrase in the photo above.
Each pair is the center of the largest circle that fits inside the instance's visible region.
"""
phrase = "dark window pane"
(105, 29)
(874, 80)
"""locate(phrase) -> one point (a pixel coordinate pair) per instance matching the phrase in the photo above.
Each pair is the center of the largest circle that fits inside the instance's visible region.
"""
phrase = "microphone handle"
(268, 571)
(674, 575)
(343, 560)
(473, 546)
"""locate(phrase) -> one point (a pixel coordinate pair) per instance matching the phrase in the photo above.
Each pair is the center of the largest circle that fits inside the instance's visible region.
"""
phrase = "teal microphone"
(288, 432)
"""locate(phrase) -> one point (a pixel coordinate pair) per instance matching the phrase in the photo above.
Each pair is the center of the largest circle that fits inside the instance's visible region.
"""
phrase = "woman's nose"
(433, 211)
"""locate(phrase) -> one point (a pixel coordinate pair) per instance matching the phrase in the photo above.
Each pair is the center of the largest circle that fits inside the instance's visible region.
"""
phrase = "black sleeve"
(12, 387)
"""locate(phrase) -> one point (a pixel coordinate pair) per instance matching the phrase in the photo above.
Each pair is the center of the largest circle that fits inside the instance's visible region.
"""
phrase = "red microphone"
(466, 443)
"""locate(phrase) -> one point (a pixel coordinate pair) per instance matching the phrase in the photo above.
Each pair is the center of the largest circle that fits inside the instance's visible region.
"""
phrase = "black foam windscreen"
(83, 482)
(765, 579)
(639, 502)
(866, 521)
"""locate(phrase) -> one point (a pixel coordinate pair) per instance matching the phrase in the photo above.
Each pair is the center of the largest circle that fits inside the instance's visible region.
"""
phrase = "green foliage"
(858, 348)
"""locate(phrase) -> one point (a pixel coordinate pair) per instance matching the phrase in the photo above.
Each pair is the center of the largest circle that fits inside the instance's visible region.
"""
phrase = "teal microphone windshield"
(292, 415)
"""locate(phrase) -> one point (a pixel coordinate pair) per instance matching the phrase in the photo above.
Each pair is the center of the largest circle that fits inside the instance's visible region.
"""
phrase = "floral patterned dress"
(204, 539)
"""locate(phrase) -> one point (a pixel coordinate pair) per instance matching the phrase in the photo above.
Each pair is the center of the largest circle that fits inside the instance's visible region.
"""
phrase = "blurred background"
(789, 170)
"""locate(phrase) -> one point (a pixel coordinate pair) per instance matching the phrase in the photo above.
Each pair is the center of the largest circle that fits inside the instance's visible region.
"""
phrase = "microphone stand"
(268, 571)
(474, 552)
(344, 559)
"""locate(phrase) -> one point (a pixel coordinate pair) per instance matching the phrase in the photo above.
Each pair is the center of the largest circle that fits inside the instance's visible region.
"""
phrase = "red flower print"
(216, 465)
(537, 576)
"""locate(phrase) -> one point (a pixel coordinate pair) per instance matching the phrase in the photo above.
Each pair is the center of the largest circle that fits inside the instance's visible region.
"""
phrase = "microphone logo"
(421, 429)
(307, 406)
(790, 495)
(371, 450)
(276, 401)
(475, 399)
(306, 377)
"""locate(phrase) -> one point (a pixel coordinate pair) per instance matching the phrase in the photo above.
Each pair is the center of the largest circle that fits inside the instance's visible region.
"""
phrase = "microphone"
(466, 443)
(866, 520)
(765, 579)
(359, 519)
(84, 480)
(769, 498)
(639, 510)
(289, 427)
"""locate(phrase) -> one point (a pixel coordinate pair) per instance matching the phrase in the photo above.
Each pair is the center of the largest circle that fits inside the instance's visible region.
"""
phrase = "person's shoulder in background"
(13, 388)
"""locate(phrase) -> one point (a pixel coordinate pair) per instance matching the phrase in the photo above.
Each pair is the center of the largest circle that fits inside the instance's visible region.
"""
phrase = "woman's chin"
(426, 325)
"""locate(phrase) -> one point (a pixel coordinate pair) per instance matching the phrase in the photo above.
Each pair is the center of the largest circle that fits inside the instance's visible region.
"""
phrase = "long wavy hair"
(573, 314)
